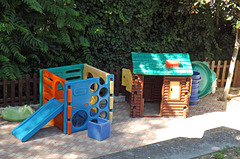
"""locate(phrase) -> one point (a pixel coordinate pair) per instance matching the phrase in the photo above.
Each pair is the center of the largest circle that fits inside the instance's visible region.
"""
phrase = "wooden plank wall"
(175, 108)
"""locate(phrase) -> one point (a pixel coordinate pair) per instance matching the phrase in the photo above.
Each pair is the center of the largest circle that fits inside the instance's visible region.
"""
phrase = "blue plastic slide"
(37, 120)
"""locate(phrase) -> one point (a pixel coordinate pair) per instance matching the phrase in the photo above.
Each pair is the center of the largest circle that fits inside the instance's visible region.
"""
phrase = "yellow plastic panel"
(124, 80)
(111, 87)
(174, 92)
(127, 79)
(110, 103)
(111, 116)
(94, 71)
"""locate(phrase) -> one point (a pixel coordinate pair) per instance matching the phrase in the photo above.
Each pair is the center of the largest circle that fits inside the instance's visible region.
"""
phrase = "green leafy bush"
(37, 33)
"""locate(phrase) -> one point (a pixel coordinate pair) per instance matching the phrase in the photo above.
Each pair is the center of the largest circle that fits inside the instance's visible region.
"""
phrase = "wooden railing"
(26, 89)
(221, 69)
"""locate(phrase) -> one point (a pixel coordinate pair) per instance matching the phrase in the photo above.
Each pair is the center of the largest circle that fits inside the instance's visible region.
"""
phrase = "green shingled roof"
(154, 63)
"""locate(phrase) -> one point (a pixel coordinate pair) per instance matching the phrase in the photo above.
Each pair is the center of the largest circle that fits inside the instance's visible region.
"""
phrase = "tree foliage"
(157, 26)
(38, 33)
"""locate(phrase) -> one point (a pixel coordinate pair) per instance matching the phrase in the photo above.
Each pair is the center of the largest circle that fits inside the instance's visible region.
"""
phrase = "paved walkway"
(128, 133)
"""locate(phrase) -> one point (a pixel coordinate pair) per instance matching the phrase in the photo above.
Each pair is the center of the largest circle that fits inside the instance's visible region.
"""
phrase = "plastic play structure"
(207, 77)
(70, 97)
(163, 78)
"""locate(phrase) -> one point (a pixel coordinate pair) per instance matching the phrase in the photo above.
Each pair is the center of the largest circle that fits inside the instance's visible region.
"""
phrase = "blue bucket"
(195, 88)
(196, 75)
(193, 101)
(195, 85)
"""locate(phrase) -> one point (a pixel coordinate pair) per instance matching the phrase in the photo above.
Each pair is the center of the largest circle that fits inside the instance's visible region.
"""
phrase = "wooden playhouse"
(161, 79)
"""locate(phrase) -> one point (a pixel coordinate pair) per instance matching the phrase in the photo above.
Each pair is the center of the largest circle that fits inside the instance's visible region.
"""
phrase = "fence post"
(5, 92)
(28, 89)
(218, 70)
(35, 83)
(20, 93)
(117, 83)
(12, 93)
(223, 73)
(213, 65)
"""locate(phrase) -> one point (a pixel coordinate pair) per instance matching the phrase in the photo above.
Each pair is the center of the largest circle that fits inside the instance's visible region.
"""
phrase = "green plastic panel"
(154, 63)
(69, 73)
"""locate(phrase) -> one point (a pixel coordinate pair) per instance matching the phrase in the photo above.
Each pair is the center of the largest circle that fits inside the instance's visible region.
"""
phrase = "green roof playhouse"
(160, 79)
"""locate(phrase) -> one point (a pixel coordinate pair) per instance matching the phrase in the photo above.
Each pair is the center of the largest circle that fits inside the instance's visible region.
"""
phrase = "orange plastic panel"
(69, 111)
(50, 85)
(69, 127)
(50, 89)
(69, 95)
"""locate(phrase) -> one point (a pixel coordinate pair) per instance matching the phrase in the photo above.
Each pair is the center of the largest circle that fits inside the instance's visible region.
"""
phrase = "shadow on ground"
(178, 148)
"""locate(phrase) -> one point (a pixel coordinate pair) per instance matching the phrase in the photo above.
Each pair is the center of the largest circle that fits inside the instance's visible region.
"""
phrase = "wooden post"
(28, 89)
(20, 93)
(213, 65)
(5, 92)
(218, 70)
(12, 93)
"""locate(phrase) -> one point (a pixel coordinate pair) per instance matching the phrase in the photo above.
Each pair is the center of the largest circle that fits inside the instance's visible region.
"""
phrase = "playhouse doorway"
(152, 94)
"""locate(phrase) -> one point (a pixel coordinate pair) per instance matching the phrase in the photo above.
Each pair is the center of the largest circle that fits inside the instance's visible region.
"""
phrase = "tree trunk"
(232, 66)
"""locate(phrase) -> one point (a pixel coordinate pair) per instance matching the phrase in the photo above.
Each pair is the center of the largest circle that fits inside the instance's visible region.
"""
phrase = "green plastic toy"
(17, 113)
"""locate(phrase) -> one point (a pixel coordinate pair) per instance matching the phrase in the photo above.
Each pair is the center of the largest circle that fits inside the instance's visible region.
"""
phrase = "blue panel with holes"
(89, 100)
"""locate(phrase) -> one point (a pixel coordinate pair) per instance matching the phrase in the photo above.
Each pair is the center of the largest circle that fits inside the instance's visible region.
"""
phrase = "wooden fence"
(221, 69)
(26, 89)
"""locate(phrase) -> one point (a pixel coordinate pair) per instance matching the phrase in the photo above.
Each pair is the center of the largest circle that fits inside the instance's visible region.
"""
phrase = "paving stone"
(128, 133)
